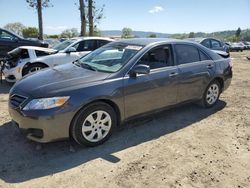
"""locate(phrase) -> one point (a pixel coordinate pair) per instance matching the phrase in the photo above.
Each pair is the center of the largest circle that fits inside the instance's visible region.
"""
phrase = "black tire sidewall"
(26, 71)
(76, 129)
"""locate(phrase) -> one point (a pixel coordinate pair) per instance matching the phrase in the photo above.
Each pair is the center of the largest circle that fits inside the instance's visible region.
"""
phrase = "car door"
(195, 70)
(155, 90)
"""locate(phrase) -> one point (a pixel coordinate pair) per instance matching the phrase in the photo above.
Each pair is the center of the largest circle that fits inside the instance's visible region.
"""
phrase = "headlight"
(46, 103)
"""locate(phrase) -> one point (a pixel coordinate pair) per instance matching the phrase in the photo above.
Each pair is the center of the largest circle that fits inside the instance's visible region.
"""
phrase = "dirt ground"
(183, 147)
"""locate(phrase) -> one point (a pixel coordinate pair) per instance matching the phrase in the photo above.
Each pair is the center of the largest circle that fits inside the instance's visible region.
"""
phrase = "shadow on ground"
(20, 161)
(5, 87)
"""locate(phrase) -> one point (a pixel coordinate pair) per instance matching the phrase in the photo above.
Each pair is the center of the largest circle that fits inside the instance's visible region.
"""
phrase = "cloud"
(156, 9)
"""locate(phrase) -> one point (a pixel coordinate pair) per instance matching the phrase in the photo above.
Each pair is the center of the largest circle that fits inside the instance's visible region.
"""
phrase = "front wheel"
(94, 124)
(33, 68)
(211, 95)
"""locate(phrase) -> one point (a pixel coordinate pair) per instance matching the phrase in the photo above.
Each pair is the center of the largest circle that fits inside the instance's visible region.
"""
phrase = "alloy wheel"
(212, 94)
(96, 126)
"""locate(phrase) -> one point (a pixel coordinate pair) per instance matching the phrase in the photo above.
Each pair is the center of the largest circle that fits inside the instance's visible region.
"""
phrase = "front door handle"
(173, 74)
(210, 66)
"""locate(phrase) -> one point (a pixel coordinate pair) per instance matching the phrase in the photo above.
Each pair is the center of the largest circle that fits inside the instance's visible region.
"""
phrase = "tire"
(211, 94)
(33, 68)
(94, 124)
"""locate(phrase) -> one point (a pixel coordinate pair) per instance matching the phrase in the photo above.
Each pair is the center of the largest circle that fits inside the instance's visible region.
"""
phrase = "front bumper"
(13, 74)
(42, 128)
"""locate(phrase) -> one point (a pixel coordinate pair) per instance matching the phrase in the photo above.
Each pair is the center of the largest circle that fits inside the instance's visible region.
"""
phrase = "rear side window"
(206, 43)
(101, 43)
(215, 44)
(186, 54)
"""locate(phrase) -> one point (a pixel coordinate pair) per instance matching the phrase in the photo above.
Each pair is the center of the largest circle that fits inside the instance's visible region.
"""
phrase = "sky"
(165, 16)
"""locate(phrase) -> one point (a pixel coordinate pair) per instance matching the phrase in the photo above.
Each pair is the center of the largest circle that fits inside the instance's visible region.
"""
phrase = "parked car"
(10, 41)
(27, 59)
(87, 99)
(212, 44)
(236, 46)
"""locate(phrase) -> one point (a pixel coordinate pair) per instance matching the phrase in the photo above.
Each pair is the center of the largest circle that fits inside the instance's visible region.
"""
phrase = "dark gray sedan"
(87, 99)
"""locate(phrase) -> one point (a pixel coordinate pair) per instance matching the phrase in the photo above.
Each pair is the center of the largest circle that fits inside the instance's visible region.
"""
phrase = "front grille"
(17, 100)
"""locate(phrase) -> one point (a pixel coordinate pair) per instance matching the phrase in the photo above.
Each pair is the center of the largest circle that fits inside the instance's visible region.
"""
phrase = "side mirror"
(70, 49)
(139, 69)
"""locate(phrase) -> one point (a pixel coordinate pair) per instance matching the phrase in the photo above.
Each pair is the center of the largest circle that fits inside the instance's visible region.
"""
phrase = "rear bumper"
(42, 129)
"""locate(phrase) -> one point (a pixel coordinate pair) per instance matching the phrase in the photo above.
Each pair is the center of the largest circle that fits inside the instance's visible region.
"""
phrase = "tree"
(30, 32)
(126, 32)
(39, 5)
(191, 35)
(15, 27)
(237, 33)
(69, 33)
(153, 35)
(83, 17)
(90, 16)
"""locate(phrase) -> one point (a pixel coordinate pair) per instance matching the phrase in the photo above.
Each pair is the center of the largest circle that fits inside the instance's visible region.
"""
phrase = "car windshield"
(63, 45)
(110, 58)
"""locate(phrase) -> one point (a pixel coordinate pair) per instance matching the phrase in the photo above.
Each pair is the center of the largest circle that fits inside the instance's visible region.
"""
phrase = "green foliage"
(191, 35)
(15, 27)
(33, 3)
(69, 33)
(30, 32)
(127, 32)
(152, 35)
(52, 36)
(237, 33)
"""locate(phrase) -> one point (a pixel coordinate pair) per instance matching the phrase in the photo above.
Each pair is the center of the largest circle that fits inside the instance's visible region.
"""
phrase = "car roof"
(146, 41)
(49, 50)
(91, 38)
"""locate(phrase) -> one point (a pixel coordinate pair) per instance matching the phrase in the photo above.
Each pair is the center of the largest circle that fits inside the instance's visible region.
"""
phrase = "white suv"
(27, 59)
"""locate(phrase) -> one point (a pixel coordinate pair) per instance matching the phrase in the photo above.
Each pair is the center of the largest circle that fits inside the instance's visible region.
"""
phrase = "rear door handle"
(173, 74)
(210, 66)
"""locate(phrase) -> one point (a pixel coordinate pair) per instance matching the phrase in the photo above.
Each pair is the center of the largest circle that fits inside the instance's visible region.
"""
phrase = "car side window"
(206, 43)
(87, 45)
(41, 53)
(101, 43)
(215, 44)
(6, 36)
(158, 57)
(186, 54)
(203, 56)
(24, 54)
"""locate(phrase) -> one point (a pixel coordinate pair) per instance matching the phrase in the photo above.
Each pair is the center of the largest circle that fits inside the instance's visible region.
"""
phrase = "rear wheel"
(211, 95)
(94, 124)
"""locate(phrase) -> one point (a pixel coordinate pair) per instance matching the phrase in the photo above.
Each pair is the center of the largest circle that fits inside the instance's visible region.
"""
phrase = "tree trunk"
(40, 19)
(91, 20)
(83, 18)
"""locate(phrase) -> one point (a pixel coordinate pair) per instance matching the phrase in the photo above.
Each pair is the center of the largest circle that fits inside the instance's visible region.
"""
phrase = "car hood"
(63, 78)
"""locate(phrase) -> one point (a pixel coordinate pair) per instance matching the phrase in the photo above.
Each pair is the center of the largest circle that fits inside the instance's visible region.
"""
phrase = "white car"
(26, 59)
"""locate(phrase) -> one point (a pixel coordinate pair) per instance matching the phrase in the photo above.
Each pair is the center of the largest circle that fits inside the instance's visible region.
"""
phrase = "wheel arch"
(107, 101)
(27, 65)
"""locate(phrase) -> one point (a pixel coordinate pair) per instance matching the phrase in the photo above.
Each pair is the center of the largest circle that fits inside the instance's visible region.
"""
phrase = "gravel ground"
(183, 147)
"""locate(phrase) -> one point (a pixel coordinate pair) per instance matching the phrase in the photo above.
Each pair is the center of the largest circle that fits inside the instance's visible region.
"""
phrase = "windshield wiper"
(84, 65)
(87, 66)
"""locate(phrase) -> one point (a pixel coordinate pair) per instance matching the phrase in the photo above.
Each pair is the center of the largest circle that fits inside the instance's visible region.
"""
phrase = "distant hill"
(141, 34)
(223, 35)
